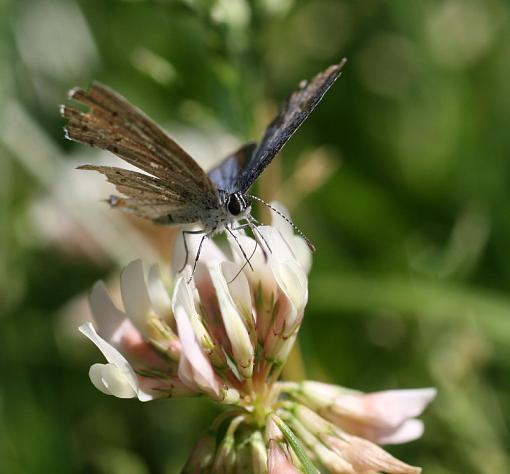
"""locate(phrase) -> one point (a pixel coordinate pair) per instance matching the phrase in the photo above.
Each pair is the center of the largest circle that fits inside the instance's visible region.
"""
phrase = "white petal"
(261, 273)
(239, 289)
(302, 252)
(109, 379)
(192, 354)
(233, 322)
(288, 273)
(158, 294)
(407, 431)
(106, 315)
(279, 222)
(298, 245)
(182, 296)
(135, 295)
(292, 280)
(113, 356)
(280, 249)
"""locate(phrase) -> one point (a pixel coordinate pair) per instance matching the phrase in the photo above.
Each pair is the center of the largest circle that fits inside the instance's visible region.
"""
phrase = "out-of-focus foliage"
(401, 178)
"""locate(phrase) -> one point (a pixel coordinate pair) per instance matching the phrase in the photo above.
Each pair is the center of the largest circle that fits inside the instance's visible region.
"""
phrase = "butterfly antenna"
(283, 216)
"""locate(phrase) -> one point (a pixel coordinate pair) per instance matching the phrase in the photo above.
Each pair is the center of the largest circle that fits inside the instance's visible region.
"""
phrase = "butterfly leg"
(253, 224)
(240, 246)
(197, 256)
(186, 250)
(245, 263)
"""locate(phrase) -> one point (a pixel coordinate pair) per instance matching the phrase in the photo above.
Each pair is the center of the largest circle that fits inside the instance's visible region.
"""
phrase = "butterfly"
(174, 189)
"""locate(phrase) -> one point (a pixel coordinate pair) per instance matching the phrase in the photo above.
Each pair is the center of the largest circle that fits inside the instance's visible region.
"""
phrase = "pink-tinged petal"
(382, 417)
(212, 317)
(169, 387)
(407, 431)
(203, 374)
(135, 295)
(396, 406)
(277, 460)
(185, 374)
(119, 331)
(388, 409)
(184, 297)
(158, 294)
(111, 380)
(113, 356)
(136, 349)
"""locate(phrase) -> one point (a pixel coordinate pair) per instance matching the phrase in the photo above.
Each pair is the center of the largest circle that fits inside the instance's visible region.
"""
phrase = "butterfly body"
(171, 187)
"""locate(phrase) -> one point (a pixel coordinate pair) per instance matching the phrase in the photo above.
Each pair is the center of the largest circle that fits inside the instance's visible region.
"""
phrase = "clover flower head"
(225, 332)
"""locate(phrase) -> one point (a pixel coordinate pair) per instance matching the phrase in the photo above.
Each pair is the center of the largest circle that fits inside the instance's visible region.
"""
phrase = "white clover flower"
(226, 333)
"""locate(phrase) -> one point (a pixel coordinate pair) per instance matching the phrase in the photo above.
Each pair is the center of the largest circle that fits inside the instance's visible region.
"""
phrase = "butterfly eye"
(235, 204)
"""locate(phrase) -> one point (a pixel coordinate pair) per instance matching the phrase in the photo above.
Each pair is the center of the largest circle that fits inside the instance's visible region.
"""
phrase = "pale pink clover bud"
(361, 454)
(365, 456)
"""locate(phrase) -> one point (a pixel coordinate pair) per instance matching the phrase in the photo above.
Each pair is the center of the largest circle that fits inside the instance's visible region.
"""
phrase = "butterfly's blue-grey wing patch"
(293, 113)
(225, 174)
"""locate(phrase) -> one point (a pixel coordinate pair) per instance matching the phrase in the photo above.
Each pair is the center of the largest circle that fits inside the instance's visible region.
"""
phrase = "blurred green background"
(401, 178)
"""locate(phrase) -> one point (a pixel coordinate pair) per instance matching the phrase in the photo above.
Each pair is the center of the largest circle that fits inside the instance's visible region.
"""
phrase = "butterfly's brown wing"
(148, 197)
(112, 124)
